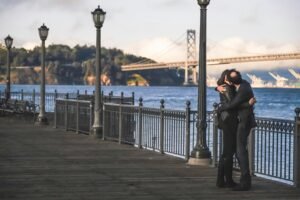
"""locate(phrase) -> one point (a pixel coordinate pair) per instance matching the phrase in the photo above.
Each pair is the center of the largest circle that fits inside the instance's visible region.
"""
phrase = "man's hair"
(235, 79)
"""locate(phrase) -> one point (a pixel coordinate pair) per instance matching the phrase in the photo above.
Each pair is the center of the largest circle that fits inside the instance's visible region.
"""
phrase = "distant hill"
(66, 65)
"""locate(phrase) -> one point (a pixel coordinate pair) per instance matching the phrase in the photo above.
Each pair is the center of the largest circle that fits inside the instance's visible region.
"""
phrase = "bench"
(15, 106)
(7, 106)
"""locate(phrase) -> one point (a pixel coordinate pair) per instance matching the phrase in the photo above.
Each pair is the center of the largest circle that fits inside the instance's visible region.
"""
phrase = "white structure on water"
(280, 80)
(257, 82)
(211, 81)
(295, 74)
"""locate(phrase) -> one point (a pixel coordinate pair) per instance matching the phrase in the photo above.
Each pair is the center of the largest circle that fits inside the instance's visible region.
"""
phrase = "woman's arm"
(229, 93)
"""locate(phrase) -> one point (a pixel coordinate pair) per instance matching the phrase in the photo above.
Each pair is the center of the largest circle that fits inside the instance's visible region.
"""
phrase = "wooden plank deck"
(40, 163)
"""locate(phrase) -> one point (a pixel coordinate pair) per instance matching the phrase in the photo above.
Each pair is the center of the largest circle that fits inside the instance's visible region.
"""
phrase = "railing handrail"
(73, 100)
(274, 119)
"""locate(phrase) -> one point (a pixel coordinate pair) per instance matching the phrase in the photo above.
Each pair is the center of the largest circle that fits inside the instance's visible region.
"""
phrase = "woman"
(228, 121)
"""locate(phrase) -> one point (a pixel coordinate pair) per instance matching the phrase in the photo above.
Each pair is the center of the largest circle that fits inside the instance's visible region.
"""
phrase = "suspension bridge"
(191, 63)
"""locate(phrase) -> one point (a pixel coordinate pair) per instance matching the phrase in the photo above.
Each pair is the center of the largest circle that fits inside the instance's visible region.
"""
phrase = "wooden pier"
(40, 163)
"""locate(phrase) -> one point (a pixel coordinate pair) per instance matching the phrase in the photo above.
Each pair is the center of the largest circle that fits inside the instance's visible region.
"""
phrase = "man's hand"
(252, 101)
(221, 88)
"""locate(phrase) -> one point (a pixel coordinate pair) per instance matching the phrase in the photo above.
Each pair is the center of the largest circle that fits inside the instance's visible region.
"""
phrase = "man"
(245, 124)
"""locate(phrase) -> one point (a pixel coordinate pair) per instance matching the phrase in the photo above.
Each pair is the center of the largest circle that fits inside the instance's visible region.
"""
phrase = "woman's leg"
(229, 150)
(220, 176)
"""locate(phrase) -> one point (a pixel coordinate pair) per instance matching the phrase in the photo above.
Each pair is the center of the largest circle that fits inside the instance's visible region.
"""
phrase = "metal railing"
(174, 132)
(77, 115)
(271, 144)
(34, 98)
(73, 115)
(161, 130)
(274, 148)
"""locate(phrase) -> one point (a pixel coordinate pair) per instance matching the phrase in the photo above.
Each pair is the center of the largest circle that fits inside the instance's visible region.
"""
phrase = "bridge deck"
(44, 163)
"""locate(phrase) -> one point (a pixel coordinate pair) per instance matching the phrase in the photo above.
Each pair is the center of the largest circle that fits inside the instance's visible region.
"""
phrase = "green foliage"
(66, 65)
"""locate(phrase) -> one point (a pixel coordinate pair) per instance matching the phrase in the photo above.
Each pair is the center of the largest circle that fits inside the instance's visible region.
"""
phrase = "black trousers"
(229, 148)
(243, 132)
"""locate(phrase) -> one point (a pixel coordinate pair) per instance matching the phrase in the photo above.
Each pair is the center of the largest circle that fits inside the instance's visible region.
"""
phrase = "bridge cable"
(165, 50)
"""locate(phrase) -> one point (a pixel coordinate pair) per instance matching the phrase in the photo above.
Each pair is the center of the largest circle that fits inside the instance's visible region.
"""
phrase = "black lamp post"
(42, 119)
(201, 154)
(8, 43)
(98, 17)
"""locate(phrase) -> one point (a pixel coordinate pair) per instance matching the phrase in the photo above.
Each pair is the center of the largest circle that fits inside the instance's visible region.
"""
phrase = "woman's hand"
(252, 101)
(221, 88)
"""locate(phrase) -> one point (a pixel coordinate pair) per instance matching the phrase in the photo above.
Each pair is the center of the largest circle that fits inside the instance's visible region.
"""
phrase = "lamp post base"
(41, 121)
(96, 132)
(189, 84)
(200, 156)
(199, 161)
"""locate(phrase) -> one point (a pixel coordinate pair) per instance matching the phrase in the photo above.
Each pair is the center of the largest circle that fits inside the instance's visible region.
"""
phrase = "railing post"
(55, 94)
(55, 114)
(33, 97)
(132, 98)
(77, 95)
(187, 130)
(102, 101)
(120, 123)
(251, 152)
(215, 135)
(162, 126)
(122, 97)
(104, 121)
(140, 122)
(109, 97)
(297, 149)
(77, 117)
(22, 95)
(91, 116)
(66, 115)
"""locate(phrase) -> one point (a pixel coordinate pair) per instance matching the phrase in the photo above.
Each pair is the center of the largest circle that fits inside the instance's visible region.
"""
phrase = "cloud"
(171, 3)
(237, 46)
(164, 49)
(30, 45)
(41, 5)
(161, 49)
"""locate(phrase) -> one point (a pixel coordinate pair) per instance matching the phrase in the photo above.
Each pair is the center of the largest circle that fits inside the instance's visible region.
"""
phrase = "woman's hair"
(221, 80)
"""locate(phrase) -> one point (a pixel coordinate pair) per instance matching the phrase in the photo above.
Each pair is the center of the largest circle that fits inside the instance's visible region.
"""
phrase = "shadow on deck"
(45, 163)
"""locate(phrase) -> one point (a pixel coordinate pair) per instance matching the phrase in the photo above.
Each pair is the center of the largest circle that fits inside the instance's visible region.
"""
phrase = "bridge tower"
(191, 55)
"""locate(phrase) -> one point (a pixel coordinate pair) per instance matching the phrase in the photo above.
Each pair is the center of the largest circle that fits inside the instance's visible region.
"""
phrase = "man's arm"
(249, 103)
(241, 97)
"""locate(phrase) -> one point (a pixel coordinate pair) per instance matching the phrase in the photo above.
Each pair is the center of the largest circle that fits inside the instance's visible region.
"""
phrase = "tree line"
(66, 65)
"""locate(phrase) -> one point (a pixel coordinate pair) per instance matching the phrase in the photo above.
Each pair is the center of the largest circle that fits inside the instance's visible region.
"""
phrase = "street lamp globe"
(98, 17)
(8, 41)
(43, 31)
(203, 2)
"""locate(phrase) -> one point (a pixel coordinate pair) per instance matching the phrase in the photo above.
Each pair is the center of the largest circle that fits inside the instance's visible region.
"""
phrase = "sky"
(157, 28)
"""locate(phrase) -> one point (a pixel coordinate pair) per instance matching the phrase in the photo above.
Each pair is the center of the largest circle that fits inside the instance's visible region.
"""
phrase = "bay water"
(271, 102)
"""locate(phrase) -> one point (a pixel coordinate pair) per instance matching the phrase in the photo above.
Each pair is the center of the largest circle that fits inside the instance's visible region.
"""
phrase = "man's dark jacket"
(245, 114)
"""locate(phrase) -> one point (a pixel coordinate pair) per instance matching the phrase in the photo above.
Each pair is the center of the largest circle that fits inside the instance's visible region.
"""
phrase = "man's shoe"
(241, 187)
(231, 184)
(220, 184)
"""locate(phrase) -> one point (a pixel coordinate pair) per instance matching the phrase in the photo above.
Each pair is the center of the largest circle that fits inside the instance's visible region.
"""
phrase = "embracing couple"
(236, 119)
